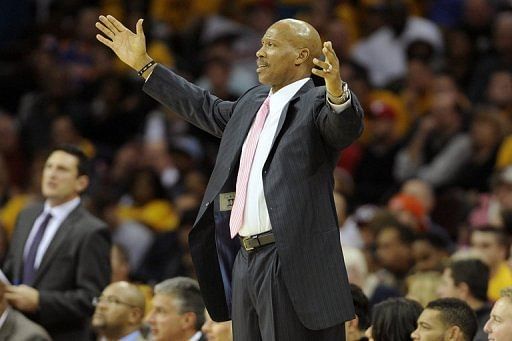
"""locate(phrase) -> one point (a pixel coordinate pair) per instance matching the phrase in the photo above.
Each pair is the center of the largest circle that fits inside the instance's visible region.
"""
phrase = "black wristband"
(145, 68)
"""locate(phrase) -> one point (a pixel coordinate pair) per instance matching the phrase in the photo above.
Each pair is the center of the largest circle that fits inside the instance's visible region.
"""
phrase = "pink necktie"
(237, 212)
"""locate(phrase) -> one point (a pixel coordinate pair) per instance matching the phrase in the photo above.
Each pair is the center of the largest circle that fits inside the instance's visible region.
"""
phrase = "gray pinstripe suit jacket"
(298, 185)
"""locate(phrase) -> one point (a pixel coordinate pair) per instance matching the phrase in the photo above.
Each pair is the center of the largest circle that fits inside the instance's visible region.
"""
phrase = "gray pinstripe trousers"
(262, 309)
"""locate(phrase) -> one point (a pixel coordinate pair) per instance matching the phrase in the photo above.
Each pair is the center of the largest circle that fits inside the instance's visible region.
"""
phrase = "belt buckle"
(245, 242)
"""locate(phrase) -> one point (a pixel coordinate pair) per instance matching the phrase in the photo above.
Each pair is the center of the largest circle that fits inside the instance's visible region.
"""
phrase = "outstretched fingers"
(107, 24)
(330, 55)
(116, 23)
(105, 41)
(105, 30)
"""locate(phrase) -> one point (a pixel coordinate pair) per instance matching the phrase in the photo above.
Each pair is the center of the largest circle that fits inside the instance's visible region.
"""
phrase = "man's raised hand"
(128, 46)
(329, 70)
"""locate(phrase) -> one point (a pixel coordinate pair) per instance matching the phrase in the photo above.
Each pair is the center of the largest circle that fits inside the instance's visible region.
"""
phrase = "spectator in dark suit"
(59, 255)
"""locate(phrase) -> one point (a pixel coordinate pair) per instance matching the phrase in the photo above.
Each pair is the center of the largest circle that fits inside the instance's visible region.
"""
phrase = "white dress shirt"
(256, 219)
(59, 213)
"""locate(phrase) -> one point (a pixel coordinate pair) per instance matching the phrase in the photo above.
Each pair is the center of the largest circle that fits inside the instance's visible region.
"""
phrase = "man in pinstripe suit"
(283, 276)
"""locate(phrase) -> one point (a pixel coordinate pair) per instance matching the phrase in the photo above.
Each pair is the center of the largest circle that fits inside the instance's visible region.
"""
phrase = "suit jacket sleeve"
(340, 129)
(191, 102)
(93, 275)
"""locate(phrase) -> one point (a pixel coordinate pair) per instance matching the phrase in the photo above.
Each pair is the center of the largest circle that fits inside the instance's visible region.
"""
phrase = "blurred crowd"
(429, 183)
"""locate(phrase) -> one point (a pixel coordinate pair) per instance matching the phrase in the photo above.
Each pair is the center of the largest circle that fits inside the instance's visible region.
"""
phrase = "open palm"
(128, 46)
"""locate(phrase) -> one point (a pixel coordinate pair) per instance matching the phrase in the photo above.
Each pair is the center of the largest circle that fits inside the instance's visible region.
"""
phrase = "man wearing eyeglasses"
(119, 313)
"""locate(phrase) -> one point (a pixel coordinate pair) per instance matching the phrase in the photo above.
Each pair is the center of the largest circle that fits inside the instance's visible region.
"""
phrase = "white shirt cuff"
(338, 108)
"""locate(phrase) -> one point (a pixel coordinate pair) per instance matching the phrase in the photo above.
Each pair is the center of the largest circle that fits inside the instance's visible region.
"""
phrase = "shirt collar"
(62, 210)
(287, 92)
(131, 337)
(196, 336)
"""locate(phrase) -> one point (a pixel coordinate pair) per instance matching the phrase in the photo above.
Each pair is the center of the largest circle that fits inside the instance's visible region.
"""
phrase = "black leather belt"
(253, 242)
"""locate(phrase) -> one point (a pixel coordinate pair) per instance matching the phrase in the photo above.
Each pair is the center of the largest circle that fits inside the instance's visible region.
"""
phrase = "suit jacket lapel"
(57, 240)
(25, 227)
(246, 123)
(305, 88)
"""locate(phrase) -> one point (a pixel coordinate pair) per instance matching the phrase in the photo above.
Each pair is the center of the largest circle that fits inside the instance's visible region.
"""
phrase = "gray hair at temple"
(187, 295)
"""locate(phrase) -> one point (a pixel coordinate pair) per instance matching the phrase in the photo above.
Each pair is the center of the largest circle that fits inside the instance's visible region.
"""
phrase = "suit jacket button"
(207, 203)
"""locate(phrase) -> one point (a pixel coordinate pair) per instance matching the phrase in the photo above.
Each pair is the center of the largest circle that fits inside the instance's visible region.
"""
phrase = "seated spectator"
(499, 326)
(119, 313)
(467, 280)
(430, 252)
(424, 192)
(422, 286)
(217, 331)
(394, 319)
(16, 326)
(408, 210)
(446, 319)
(355, 328)
(357, 268)
(438, 147)
(121, 272)
(394, 253)
(492, 206)
(374, 171)
(146, 203)
(493, 246)
(486, 133)
(178, 311)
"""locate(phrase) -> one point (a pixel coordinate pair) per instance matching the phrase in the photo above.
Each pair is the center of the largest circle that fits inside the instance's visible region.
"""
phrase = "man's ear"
(189, 319)
(464, 290)
(82, 183)
(454, 334)
(303, 56)
(136, 316)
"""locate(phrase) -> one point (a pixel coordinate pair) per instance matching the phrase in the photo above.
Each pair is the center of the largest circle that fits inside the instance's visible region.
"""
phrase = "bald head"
(129, 293)
(288, 48)
(302, 34)
(119, 311)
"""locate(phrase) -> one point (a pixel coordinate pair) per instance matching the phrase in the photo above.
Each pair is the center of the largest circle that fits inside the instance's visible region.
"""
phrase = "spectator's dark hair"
(437, 242)
(361, 306)
(83, 160)
(455, 312)
(501, 235)
(187, 296)
(395, 319)
(474, 273)
(153, 177)
(422, 50)
(405, 233)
